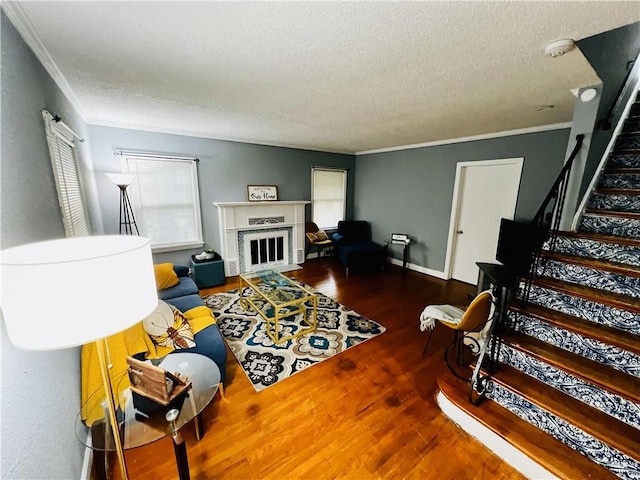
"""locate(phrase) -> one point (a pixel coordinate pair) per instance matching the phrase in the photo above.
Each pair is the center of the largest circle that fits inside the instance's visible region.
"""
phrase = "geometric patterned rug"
(265, 363)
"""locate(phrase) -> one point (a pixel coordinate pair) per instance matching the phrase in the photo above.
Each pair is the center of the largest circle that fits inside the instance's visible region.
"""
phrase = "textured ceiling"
(335, 76)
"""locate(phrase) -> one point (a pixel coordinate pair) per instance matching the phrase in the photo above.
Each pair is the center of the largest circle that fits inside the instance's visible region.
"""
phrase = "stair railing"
(543, 227)
(630, 81)
(546, 221)
(629, 91)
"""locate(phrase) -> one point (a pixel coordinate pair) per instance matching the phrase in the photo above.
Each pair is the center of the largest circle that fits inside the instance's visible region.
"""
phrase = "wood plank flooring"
(367, 413)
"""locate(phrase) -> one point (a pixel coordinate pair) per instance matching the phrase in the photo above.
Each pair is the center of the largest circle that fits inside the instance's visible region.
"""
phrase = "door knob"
(459, 232)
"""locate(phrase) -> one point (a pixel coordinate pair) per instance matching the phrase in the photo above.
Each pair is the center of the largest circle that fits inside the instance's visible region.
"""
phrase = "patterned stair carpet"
(266, 363)
(579, 333)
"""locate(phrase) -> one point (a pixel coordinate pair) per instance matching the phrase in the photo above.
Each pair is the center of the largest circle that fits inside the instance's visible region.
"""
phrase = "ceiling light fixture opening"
(559, 47)
(588, 94)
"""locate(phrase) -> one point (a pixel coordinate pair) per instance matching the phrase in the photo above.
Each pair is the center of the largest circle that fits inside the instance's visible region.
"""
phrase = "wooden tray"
(155, 383)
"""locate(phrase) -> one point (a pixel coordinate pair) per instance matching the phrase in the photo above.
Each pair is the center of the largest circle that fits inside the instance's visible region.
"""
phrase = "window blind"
(65, 171)
(166, 200)
(329, 195)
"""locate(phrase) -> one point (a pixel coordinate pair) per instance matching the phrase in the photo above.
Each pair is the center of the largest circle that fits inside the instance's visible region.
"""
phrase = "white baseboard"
(410, 266)
(315, 255)
(498, 445)
(85, 473)
(418, 268)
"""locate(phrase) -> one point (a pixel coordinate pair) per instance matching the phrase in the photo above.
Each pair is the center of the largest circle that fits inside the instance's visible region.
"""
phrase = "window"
(62, 150)
(328, 196)
(165, 200)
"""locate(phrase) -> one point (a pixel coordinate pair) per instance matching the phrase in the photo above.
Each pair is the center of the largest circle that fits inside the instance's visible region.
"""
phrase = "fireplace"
(258, 235)
(264, 248)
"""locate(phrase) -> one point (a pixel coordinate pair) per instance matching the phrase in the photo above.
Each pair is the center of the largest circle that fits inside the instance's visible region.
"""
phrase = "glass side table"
(138, 429)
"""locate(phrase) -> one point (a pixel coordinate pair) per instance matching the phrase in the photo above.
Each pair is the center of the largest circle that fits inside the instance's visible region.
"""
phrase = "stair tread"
(604, 333)
(593, 372)
(548, 451)
(596, 423)
(628, 151)
(601, 237)
(604, 265)
(619, 151)
(613, 213)
(622, 170)
(617, 191)
(616, 300)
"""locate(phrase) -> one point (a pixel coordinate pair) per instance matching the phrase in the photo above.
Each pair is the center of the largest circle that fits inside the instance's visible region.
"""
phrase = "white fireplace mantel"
(235, 217)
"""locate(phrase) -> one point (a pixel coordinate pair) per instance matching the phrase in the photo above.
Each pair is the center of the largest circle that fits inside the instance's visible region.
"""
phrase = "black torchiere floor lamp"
(127, 219)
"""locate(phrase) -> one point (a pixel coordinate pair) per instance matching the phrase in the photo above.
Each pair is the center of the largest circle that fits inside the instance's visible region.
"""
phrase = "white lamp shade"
(61, 293)
(121, 178)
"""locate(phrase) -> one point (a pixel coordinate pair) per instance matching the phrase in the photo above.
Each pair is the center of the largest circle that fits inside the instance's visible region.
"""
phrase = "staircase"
(570, 363)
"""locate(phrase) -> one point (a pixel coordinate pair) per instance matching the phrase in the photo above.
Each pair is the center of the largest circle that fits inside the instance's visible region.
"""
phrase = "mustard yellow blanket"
(130, 342)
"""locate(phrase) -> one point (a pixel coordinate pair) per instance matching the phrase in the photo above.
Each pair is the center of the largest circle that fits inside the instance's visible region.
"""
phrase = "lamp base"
(101, 348)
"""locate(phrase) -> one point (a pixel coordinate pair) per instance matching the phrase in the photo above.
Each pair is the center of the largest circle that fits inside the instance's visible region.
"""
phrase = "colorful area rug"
(265, 363)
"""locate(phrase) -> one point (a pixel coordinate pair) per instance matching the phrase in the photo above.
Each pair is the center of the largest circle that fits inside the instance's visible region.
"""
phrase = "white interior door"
(486, 192)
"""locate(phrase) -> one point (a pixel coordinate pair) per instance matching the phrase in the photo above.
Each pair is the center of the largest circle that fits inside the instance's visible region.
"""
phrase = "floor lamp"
(127, 219)
(93, 287)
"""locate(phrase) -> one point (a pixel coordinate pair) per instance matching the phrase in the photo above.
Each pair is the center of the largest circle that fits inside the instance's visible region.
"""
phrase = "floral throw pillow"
(168, 327)
(319, 236)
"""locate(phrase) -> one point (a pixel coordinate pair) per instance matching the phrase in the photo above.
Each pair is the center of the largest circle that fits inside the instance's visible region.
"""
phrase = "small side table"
(405, 250)
(138, 430)
(405, 254)
(208, 273)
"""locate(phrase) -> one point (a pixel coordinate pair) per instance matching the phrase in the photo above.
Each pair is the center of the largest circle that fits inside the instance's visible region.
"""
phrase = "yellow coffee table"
(276, 298)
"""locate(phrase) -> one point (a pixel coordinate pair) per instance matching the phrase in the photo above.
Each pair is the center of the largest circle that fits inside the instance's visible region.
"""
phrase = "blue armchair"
(355, 249)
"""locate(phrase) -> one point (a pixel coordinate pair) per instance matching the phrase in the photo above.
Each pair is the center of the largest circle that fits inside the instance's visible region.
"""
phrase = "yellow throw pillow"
(199, 318)
(165, 275)
(168, 327)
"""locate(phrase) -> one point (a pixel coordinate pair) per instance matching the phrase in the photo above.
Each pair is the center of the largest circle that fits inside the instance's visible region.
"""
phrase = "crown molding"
(484, 136)
(27, 31)
(188, 133)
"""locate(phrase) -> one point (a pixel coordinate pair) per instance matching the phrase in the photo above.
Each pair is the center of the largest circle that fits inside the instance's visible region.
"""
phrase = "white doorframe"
(458, 190)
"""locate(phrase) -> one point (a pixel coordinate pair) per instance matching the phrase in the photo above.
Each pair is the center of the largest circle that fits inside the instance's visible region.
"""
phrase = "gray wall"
(584, 122)
(40, 390)
(224, 171)
(609, 54)
(410, 191)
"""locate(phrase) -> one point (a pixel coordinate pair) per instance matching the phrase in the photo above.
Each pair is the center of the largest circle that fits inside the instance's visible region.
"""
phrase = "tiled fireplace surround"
(243, 222)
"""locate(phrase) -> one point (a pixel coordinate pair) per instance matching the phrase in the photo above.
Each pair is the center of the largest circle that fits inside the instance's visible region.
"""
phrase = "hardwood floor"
(367, 413)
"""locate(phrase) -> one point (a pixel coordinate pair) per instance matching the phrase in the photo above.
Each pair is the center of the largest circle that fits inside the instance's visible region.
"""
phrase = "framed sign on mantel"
(262, 193)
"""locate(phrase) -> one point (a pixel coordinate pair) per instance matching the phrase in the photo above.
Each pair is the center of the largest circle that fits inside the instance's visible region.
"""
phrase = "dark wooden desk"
(490, 274)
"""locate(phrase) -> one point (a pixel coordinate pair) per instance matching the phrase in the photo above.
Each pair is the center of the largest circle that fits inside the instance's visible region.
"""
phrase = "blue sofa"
(355, 249)
(184, 296)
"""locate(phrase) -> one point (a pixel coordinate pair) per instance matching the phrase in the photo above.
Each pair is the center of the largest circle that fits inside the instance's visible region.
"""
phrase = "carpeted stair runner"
(614, 206)
(570, 367)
